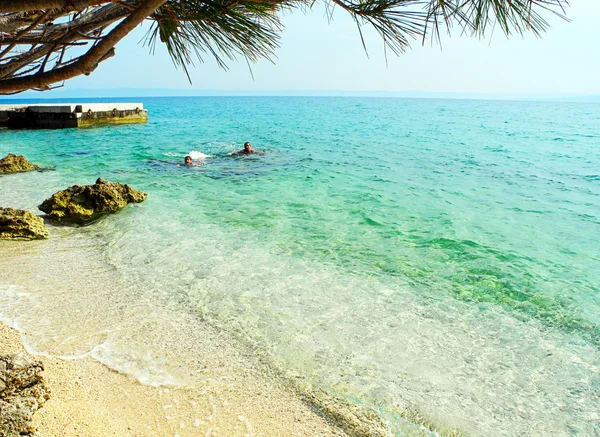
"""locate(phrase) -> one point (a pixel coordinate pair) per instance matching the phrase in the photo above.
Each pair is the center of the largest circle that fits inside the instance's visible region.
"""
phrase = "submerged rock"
(86, 203)
(354, 419)
(12, 163)
(17, 224)
(22, 392)
(358, 420)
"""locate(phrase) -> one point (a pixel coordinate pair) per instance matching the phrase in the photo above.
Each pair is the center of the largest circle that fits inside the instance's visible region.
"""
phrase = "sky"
(320, 56)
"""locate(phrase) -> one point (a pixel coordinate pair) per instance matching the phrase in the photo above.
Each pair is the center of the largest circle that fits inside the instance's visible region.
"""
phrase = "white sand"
(89, 399)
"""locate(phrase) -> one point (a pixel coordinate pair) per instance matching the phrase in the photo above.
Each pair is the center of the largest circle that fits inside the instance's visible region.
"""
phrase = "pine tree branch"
(224, 29)
(88, 62)
(36, 5)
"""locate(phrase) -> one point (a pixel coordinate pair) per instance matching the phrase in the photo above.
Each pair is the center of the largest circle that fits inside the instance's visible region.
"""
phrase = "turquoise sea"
(438, 258)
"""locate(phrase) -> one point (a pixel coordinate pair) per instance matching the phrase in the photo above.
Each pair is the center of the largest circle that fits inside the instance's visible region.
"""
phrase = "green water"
(438, 256)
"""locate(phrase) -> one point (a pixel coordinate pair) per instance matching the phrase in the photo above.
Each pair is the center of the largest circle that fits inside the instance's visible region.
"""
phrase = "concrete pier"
(68, 115)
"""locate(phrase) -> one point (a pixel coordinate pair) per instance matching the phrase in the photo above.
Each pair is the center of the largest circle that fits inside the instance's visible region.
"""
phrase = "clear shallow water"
(438, 256)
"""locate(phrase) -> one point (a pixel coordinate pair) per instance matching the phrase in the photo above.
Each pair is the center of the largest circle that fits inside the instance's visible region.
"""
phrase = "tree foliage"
(45, 42)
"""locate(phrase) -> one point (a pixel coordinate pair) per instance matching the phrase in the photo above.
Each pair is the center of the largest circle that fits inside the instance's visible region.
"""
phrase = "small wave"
(371, 222)
(592, 177)
(196, 155)
(13, 297)
(498, 149)
(142, 366)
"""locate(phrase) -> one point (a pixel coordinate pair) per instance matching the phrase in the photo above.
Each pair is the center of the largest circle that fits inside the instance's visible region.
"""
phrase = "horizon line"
(127, 92)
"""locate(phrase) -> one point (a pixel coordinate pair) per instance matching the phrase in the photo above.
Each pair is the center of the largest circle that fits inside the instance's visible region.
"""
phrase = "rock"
(84, 204)
(13, 163)
(22, 392)
(17, 224)
(354, 419)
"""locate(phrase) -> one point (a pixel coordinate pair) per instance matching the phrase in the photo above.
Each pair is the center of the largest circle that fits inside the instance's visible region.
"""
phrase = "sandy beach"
(221, 387)
(89, 399)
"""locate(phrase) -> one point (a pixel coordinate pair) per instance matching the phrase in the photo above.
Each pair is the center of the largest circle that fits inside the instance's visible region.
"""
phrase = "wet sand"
(89, 399)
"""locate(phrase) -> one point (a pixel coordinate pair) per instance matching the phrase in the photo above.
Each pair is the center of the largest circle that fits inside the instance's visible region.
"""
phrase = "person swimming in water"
(247, 150)
(188, 161)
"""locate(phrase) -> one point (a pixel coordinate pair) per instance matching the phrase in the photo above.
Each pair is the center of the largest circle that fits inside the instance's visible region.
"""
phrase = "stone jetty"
(68, 115)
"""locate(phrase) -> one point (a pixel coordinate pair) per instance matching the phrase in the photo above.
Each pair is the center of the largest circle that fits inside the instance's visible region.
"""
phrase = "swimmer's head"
(188, 159)
(247, 146)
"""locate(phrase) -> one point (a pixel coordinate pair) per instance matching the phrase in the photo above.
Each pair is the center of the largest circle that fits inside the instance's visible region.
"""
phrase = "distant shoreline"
(118, 93)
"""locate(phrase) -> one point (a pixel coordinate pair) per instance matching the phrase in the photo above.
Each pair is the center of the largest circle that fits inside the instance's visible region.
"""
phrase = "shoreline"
(90, 399)
(214, 386)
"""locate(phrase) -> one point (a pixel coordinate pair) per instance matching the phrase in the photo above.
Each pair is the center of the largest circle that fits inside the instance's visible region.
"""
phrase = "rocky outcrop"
(86, 203)
(22, 392)
(17, 224)
(12, 163)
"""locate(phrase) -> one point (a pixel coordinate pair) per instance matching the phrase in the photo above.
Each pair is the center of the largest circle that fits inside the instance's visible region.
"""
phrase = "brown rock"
(22, 392)
(17, 224)
(12, 163)
(86, 203)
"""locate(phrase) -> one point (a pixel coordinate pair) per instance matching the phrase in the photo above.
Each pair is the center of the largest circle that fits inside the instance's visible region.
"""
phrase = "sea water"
(437, 259)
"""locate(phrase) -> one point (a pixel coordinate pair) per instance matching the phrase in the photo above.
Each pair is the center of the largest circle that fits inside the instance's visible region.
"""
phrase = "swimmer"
(187, 161)
(247, 150)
